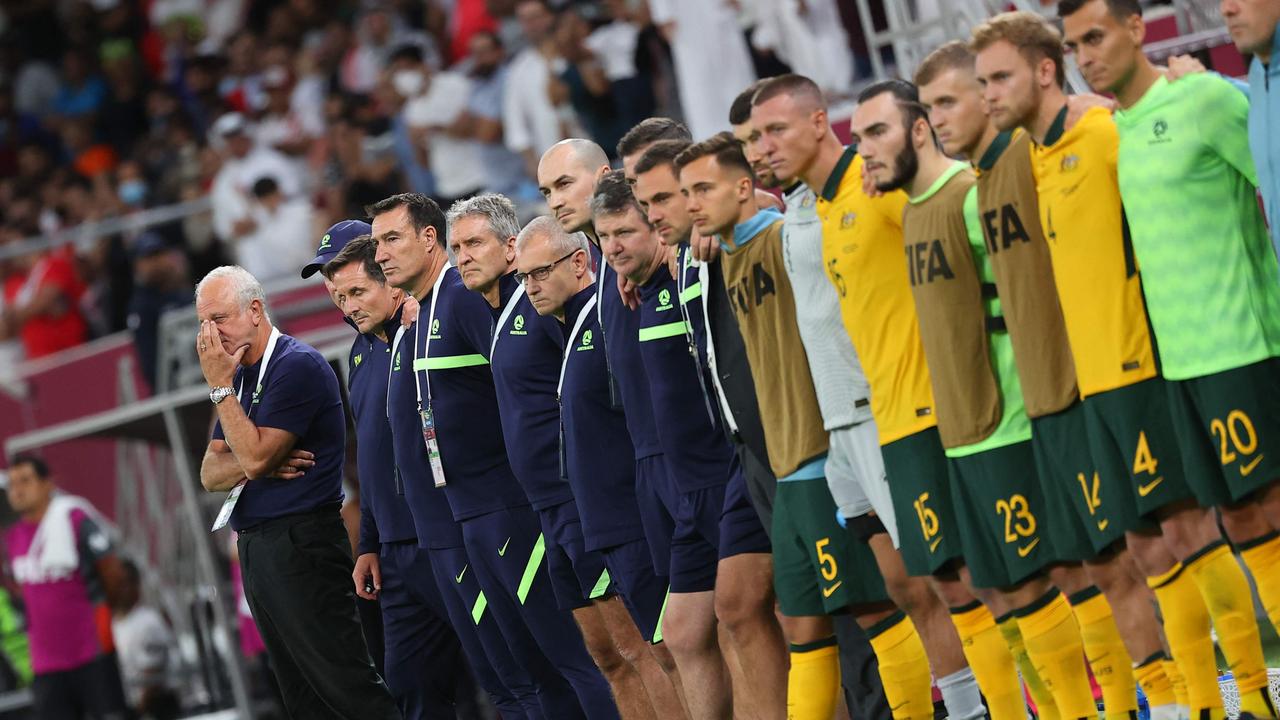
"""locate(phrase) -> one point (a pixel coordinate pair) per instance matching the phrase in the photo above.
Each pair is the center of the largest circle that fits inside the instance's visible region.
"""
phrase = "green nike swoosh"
(502, 551)
(464, 572)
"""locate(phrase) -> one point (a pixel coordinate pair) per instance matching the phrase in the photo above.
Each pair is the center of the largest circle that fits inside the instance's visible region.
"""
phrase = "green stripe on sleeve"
(477, 610)
(658, 332)
(449, 362)
(692, 292)
(531, 569)
(602, 586)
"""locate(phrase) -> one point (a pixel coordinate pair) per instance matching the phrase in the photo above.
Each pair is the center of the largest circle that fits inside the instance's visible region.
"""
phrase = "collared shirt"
(461, 392)
(384, 512)
(599, 458)
(1264, 132)
(432, 518)
(299, 395)
(620, 326)
(697, 454)
(526, 362)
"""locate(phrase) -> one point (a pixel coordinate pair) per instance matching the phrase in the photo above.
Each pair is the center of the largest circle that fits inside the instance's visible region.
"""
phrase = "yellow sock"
(991, 661)
(1046, 708)
(904, 668)
(1186, 627)
(813, 684)
(1054, 644)
(1262, 557)
(1178, 682)
(1152, 674)
(1226, 593)
(1108, 657)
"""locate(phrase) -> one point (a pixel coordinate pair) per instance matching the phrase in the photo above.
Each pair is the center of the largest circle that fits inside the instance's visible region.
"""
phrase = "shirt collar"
(390, 326)
(1058, 127)
(744, 231)
(996, 149)
(575, 303)
(946, 176)
(837, 173)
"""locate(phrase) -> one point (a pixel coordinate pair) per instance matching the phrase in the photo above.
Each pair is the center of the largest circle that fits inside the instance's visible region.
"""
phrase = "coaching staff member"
(275, 394)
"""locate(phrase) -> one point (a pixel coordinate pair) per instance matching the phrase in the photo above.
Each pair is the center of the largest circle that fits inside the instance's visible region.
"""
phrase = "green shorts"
(1000, 509)
(1228, 425)
(916, 470)
(818, 566)
(1088, 511)
(1131, 437)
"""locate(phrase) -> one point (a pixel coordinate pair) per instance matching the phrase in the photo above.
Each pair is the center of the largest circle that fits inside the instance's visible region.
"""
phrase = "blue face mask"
(133, 192)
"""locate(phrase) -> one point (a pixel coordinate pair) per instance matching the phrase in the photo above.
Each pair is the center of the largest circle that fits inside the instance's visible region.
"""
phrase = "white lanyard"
(506, 313)
(704, 277)
(426, 348)
(228, 505)
(395, 347)
(568, 344)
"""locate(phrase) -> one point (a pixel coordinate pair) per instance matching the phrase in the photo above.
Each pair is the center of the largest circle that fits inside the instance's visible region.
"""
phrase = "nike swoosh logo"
(1025, 551)
(1246, 469)
(933, 546)
(1102, 525)
(502, 551)
(464, 572)
(826, 592)
(1145, 490)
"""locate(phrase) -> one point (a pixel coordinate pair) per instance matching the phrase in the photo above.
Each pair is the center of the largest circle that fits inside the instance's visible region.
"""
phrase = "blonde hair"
(953, 55)
(1030, 33)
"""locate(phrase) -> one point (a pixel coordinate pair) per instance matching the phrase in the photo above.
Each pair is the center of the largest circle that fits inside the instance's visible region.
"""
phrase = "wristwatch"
(218, 394)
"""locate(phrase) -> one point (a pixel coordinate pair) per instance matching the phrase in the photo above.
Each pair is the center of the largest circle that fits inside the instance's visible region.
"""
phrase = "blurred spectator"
(582, 82)
(160, 283)
(241, 85)
(281, 127)
(482, 120)
(809, 36)
(145, 647)
(35, 82)
(697, 32)
(434, 101)
(406, 65)
(244, 163)
(531, 122)
(617, 45)
(42, 304)
(123, 119)
(82, 92)
(283, 233)
(381, 32)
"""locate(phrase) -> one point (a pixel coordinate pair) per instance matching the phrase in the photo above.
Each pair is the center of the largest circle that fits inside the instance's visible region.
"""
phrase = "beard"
(905, 166)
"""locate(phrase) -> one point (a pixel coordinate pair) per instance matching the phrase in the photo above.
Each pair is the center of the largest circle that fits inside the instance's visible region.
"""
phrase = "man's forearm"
(254, 458)
(220, 471)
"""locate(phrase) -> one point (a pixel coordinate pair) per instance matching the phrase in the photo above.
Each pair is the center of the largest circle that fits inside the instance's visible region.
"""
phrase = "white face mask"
(408, 83)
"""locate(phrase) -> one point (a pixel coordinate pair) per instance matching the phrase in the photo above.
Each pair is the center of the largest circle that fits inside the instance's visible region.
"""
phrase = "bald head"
(567, 175)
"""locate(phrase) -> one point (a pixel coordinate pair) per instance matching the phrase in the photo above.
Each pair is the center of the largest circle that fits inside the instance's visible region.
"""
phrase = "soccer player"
(716, 530)
(459, 422)
(567, 176)
(421, 650)
(1019, 257)
(1135, 464)
(715, 177)
(982, 422)
(595, 448)
(796, 141)
(855, 469)
(67, 582)
(1255, 27)
(524, 354)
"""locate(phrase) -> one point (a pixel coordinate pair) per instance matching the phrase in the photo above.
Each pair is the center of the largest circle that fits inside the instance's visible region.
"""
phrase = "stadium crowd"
(299, 113)
(989, 402)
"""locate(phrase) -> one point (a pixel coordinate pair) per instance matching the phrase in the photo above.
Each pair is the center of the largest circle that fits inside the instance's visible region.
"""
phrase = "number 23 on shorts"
(1019, 522)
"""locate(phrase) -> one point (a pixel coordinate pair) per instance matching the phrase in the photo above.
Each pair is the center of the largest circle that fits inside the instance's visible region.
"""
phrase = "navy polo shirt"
(598, 454)
(465, 402)
(432, 518)
(690, 285)
(697, 453)
(384, 513)
(299, 395)
(525, 364)
(621, 325)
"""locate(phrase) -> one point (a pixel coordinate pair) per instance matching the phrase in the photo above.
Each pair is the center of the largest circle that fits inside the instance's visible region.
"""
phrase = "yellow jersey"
(1093, 262)
(863, 251)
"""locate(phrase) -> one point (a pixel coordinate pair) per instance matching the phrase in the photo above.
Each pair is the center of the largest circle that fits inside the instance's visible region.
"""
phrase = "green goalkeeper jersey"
(1190, 193)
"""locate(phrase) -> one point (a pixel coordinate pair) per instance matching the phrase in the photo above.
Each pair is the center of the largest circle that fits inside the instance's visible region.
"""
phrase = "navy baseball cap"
(335, 238)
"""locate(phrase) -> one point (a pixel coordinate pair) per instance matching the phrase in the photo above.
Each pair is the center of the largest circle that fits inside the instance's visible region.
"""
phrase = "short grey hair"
(561, 242)
(497, 210)
(243, 283)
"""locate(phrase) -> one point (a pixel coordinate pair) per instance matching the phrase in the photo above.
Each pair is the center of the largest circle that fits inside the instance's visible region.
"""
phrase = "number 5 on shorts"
(826, 561)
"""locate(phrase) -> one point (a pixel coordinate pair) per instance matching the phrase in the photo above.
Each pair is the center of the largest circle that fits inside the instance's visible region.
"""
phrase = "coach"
(294, 550)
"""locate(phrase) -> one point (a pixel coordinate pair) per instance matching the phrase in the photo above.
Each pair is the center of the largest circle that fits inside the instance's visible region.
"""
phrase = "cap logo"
(324, 243)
